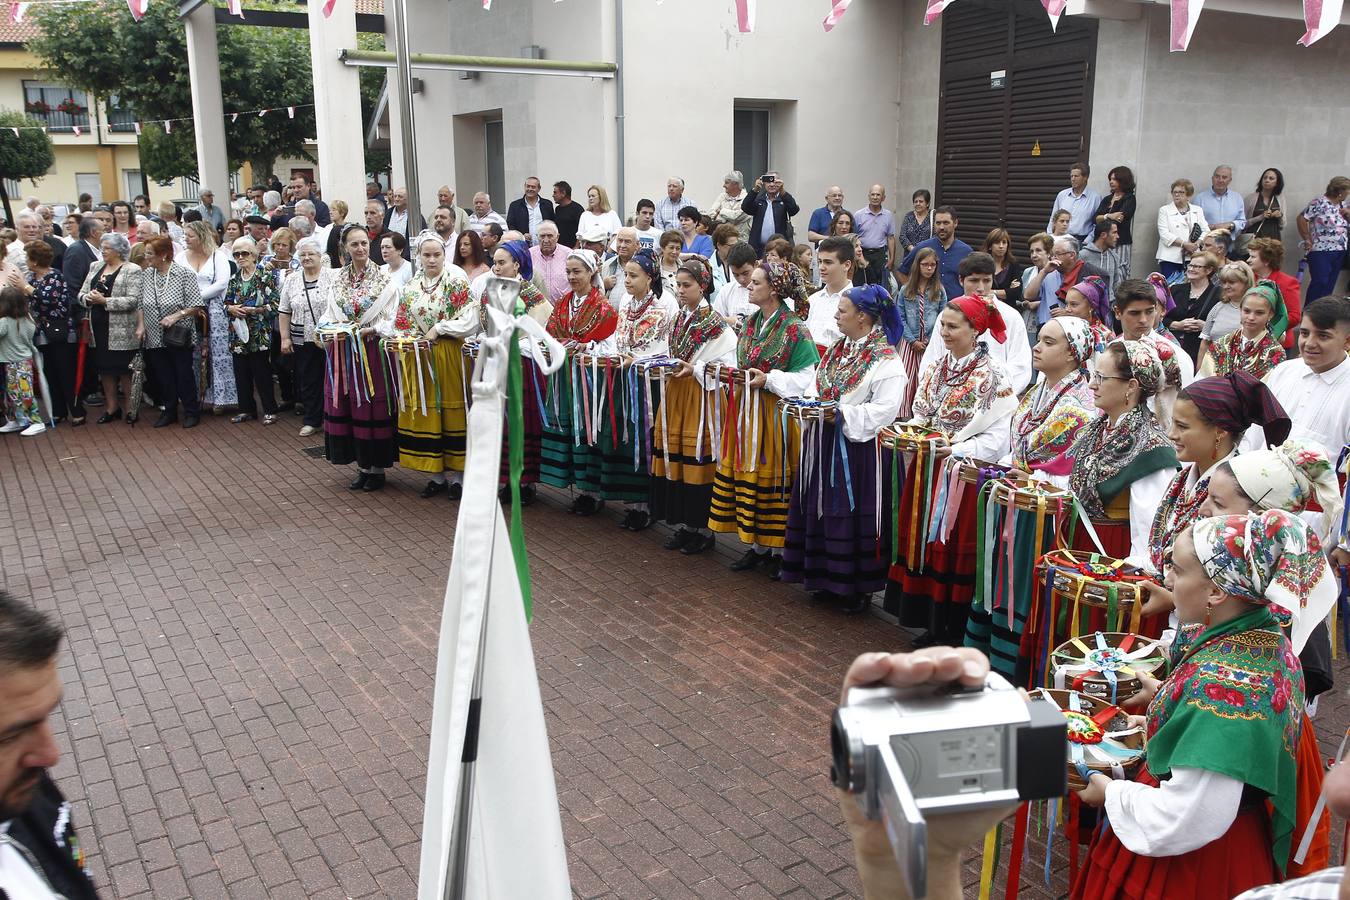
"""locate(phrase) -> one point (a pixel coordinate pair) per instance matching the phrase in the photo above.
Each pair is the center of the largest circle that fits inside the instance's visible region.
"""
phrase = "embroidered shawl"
(1108, 459)
(354, 294)
(642, 325)
(846, 363)
(955, 395)
(421, 305)
(594, 320)
(1047, 422)
(1179, 509)
(783, 345)
(1264, 354)
(689, 333)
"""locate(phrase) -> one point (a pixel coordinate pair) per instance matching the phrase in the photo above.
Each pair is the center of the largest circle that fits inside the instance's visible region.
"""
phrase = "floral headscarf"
(983, 315)
(1270, 557)
(1078, 333)
(786, 280)
(646, 261)
(1145, 366)
(698, 270)
(1287, 477)
(1162, 292)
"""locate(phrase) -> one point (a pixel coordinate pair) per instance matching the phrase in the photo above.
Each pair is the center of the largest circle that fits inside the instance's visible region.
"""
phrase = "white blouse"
(213, 277)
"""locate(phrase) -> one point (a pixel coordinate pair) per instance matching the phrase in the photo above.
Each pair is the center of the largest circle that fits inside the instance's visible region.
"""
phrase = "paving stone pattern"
(250, 667)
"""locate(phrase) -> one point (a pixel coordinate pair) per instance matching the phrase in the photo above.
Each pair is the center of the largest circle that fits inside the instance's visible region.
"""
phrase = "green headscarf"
(1269, 291)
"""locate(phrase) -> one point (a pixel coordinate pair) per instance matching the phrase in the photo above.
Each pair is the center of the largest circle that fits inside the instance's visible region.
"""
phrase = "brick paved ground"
(250, 671)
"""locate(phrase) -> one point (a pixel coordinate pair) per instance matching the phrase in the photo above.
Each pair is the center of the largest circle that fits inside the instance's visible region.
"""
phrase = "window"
(750, 142)
(121, 119)
(13, 189)
(495, 148)
(89, 183)
(131, 180)
(60, 107)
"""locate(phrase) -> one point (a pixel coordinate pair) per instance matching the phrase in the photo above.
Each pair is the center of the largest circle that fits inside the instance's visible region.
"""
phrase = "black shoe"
(586, 505)
(527, 494)
(114, 416)
(749, 560)
(190, 421)
(359, 482)
(165, 420)
(636, 520)
(698, 543)
(679, 539)
(433, 488)
(824, 597)
(774, 568)
(374, 482)
(856, 604)
(927, 639)
(76, 421)
(456, 490)
(94, 399)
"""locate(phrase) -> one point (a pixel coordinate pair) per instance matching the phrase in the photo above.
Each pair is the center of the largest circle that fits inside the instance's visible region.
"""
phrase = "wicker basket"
(726, 374)
(911, 438)
(803, 410)
(1092, 579)
(977, 471)
(1026, 494)
(1105, 664)
(1115, 757)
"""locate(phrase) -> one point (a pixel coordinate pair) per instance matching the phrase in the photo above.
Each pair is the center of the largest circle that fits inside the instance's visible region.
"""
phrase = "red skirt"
(1311, 769)
(1220, 870)
(1115, 538)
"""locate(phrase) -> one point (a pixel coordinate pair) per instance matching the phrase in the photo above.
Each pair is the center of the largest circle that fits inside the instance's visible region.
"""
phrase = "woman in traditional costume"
(512, 260)
(584, 322)
(1253, 347)
(775, 356)
(358, 425)
(1122, 460)
(1050, 415)
(966, 396)
(833, 520)
(1090, 300)
(682, 430)
(435, 310)
(1216, 810)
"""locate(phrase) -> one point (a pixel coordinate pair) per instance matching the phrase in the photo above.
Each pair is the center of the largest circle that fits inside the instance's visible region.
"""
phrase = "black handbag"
(179, 334)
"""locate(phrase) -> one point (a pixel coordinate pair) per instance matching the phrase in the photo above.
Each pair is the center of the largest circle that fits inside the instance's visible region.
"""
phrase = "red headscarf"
(983, 316)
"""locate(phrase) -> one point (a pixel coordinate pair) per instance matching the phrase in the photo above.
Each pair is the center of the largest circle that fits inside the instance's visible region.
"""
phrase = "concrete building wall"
(1243, 94)
(920, 68)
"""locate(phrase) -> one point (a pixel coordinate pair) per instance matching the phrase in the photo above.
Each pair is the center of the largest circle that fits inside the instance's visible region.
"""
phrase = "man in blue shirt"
(1223, 208)
(950, 251)
(1081, 202)
(819, 227)
(875, 226)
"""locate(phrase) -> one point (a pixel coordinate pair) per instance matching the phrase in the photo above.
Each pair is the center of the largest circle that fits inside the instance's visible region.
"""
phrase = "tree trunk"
(4, 197)
(262, 168)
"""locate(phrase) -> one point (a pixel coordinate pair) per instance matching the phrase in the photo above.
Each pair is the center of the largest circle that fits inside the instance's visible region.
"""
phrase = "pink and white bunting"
(1054, 9)
(1185, 13)
(837, 10)
(745, 16)
(138, 8)
(137, 126)
(17, 11)
(236, 7)
(328, 8)
(1320, 16)
(934, 9)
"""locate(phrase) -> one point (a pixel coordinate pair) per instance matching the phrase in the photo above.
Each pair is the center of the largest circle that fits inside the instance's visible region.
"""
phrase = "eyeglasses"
(240, 254)
(1098, 378)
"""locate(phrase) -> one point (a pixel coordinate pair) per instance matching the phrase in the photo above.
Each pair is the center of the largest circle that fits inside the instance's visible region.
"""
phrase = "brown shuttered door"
(987, 167)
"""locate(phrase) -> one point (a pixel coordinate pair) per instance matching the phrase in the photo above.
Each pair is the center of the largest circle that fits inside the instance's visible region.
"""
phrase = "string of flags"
(1320, 16)
(78, 130)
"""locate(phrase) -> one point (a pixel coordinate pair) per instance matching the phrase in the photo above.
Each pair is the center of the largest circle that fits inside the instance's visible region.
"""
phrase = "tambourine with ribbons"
(1100, 737)
(915, 483)
(814, 455)
(1106, 665)
(412, 372)
(1090, 579)
(347, 365)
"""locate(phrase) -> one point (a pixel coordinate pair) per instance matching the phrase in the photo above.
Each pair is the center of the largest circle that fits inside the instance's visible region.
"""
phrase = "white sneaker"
(11, 426)
(308, 430)
(35, 428)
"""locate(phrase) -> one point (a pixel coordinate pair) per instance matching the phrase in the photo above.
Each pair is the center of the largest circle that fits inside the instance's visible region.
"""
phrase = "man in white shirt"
(647, 232)
(732, 300)
(1138, 308)
(611, 271)
(1081, 202)
(1014, 354)
(835, 257)
(668, 210)
(29, 226)
(1315, 388)
(483, 214)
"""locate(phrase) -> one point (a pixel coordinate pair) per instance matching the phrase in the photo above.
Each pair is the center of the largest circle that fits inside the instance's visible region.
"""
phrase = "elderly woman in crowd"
(304, 297)
(726, 209)
(1215, 811)
(1225, 316)
(49, 305)
(251, 300)
(1253, 347)
(357, 424)
(212, 268)
(775, 357)
(1180, 226)
(171, 306)
(831, 541)
(396, 269)
(1323, 226)
(435, 307)
(112, 293)
(1193, 298)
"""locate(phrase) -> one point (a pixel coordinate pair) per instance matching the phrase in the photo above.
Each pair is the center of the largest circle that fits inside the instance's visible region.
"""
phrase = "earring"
(1209, 610)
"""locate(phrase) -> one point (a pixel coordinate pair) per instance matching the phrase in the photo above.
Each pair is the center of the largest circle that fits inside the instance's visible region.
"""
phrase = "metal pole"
(618, 102)
(405, 108)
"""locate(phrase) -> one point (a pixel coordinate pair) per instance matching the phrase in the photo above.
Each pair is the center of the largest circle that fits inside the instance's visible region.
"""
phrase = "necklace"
(1037, 415)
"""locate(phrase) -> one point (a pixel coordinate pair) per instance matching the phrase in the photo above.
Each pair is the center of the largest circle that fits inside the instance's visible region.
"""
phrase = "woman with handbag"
(112, 293)
(1180, 226)
(212, 267)
(171, 304)
(304, 297)
(251, 304)
(1118, 206)
(1265, 211)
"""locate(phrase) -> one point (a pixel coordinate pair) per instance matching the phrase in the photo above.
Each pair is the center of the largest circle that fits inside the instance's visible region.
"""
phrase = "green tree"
(260, 68)
(27, 154)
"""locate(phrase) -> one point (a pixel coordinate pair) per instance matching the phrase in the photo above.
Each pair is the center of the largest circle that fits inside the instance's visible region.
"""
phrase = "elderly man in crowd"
(819, 227)
(1223, 208)
(146, 229)
(1080, 200)
(49, 223)
(625, 245)
(304, 209)
(445, 196)
(483, 213)
(876, 232)
(549, 261)
(668, 210)
(211, 214)
(527, 211)
(29, 226)
(726, 209)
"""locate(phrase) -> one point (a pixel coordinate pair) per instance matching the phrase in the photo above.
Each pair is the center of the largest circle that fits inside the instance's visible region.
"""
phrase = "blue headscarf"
(520, 252)
(876, 301)
(648, 263)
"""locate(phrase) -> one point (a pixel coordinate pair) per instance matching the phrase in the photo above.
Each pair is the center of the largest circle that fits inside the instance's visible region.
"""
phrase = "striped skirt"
(431, 441)
(358, 426)
(682, 489)
(607, 469)
(751, 491)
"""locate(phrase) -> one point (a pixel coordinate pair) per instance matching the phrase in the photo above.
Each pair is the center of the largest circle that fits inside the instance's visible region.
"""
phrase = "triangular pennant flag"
(1319, 15)
(934, 9)
(137, 126)
(487, 4)
(236, 7)
(1055, 9)
(168, 126)
(745, 16)
(328, 8)
(76, 129)
(138, 8)
(234, 117)
(16, 131)
(1185, 13)
(17, 11)
(290, 111)
(837, 10)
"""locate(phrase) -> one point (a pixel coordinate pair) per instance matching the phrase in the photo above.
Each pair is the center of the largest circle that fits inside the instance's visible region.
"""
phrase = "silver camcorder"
(907, 752)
